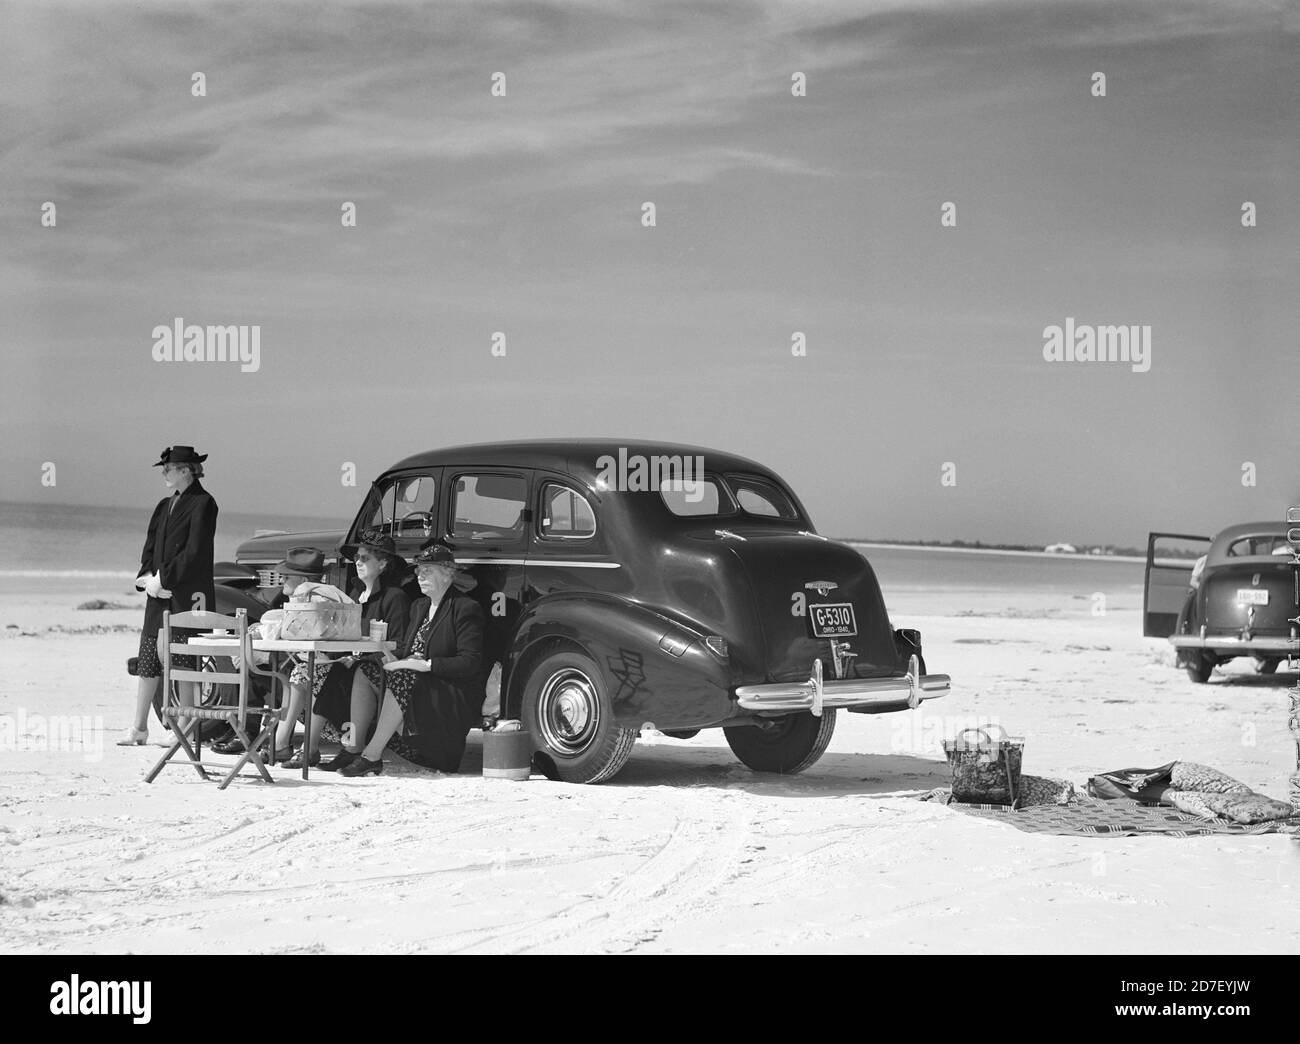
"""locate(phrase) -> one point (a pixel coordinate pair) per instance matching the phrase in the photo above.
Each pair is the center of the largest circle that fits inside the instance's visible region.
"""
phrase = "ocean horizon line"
(146, 509)
(88, 574)
(333, 521)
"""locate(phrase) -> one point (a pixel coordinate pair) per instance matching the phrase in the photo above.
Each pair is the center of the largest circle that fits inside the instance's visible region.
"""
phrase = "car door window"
(488, 509)
(565, 514)
(415, 505)
(405, 505)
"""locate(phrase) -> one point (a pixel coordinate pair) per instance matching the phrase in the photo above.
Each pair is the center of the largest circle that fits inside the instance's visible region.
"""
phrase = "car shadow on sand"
(670, 763)
(1248, 680)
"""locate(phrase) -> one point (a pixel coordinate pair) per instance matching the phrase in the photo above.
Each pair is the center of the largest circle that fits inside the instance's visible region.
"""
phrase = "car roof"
(576, 457)
(1229, 535)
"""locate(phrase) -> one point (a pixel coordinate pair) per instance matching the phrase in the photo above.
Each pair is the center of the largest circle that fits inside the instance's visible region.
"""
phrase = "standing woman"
(175, 573)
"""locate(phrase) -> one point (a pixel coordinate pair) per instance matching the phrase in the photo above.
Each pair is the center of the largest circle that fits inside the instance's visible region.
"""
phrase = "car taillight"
(718, 646)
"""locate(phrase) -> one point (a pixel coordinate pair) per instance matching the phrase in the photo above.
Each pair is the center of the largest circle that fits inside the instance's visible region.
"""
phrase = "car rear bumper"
(1234, 644)
(861, 695)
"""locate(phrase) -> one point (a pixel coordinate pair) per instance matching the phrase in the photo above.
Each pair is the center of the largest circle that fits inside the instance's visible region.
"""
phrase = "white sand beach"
(686, 851)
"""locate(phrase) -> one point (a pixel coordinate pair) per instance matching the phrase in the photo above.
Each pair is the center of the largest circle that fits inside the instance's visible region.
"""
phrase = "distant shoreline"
(325, 522)
(1075, 557)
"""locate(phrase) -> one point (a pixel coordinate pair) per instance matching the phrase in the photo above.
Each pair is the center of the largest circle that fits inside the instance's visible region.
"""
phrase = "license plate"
(832, 620)
(1252, 596)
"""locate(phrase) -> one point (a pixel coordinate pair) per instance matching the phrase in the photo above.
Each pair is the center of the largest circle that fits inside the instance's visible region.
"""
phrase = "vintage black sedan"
(630, 586)
(1240, 598)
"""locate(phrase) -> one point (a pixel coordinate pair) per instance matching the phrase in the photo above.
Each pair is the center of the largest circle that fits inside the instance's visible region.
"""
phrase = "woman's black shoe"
(340, 761)
(362, 767)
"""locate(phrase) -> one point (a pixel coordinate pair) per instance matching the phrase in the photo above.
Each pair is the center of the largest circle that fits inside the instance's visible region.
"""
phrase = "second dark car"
(1239, 598)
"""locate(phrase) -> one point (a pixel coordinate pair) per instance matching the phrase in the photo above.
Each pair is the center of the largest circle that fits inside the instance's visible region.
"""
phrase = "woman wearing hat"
(437, 679)
(346, 690)
(301, 566)
(175, 574)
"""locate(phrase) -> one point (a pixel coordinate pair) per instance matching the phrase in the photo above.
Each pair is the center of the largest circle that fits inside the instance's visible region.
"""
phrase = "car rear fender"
(657, 670)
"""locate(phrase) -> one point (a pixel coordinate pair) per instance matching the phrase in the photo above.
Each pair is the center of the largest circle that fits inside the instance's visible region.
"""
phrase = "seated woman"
(301, 566)
(348, 689)
(437, 680)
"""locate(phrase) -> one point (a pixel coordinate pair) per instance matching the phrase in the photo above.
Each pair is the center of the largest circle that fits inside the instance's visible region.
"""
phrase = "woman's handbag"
(987, 770)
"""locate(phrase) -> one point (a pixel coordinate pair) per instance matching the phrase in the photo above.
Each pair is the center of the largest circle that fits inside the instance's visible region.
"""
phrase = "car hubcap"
(569, 711)
(210, 691)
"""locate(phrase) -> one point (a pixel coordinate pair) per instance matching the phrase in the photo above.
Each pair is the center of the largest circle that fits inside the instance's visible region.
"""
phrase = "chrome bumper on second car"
(863, 695)
(1233, 643)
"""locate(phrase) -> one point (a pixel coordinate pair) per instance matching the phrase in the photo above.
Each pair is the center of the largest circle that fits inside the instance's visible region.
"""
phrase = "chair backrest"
(200, 620)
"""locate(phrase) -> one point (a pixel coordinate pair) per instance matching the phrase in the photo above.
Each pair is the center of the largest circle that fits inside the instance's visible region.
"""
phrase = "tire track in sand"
(677, 878)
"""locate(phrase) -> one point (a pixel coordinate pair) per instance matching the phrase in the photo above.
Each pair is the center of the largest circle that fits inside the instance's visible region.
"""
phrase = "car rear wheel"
(1199, 667)
(569, 715)
(786, 745)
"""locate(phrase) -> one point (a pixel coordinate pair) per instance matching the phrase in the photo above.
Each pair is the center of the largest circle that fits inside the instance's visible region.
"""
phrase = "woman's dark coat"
(448, 700)
(179, 548)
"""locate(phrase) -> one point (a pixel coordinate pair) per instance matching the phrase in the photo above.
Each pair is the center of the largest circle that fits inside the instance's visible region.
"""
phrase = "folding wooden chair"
(233, 714)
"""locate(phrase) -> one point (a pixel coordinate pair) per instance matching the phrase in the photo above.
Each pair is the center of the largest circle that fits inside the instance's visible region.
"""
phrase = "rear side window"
(565, 513)
(702, 496)
(757, 496)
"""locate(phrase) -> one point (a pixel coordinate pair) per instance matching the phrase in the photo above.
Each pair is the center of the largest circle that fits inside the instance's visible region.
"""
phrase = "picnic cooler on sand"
(985, 769)
(320, 621)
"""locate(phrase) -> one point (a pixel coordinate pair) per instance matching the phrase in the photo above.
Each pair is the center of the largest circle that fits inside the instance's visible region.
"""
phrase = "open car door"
(1170, 559)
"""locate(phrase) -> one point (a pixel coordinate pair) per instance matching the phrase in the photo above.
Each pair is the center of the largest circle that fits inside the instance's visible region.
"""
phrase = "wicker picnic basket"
(320, 621)
(986, 770)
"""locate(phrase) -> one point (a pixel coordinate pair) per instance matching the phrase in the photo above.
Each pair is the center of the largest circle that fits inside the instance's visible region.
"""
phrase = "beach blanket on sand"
(1089, 817)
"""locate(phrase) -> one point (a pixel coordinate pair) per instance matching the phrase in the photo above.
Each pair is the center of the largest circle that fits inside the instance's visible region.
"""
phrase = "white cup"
(379, 630)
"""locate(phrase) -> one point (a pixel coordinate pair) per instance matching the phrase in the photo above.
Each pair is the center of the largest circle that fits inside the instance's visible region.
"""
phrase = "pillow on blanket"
(1039, 790)
(1237, 807)
(1188, 775)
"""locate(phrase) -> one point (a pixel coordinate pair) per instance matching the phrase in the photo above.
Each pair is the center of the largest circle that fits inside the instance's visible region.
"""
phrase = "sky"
(923, 408)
